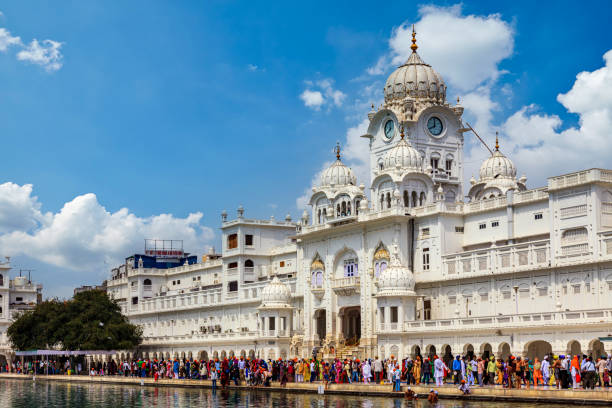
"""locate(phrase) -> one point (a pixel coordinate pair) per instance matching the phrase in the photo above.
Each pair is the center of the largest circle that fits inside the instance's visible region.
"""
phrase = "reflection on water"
(16, 393)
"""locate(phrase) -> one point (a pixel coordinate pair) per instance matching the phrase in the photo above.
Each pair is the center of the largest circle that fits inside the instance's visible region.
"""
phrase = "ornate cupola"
(338, 174)
(338, 195)
(497, 176)
(403, 156)
(396, 279)
(415, 79)
(276, 294)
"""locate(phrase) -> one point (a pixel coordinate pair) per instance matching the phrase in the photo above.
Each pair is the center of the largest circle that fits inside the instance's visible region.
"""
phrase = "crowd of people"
(554, 371)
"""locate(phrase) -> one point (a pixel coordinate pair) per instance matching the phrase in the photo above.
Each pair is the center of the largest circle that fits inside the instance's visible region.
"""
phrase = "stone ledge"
(532, 395)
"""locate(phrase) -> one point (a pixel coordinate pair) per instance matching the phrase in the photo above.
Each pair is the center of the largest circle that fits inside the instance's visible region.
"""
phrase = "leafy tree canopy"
(89, 321)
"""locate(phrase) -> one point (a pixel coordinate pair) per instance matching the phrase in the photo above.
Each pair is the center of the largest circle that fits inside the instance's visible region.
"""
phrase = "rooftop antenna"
(470, 128)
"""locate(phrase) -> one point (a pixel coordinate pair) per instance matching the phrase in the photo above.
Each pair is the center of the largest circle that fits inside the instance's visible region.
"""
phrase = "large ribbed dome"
(338, 175)
(404, 156)
(276, 294)
(416, 79)
(497, 166)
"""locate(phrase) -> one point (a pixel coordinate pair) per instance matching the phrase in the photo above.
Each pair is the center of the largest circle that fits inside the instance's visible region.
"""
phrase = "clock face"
(389, 126)
(434, 125)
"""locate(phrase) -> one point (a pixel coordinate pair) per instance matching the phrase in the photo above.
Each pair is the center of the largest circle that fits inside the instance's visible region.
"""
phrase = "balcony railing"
(566, 318)
(498, 259)
(346, 286)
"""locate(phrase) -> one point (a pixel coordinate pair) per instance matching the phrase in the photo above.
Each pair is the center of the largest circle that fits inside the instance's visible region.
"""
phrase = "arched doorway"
(204, 355)
(486, 350)
(538, 348)
(468, 350)
(596, 349)
(415, 351)
(350, 318)
(447, 354)
(504, 351)
(320, 320)
(573, 348)
(431, 351)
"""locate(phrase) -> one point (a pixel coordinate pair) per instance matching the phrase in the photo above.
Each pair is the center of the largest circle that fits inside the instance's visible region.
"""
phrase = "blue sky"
(194, 107)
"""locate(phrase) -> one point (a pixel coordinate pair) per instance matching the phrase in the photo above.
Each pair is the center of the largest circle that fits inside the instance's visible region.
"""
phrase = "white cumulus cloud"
(7, 40)
(312, 99)
(46, 54)
(540, 145)
(83, 235)
(320, 93)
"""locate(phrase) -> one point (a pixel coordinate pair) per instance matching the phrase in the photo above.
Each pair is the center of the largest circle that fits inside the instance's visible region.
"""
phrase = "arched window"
(338, 210)
(357, 202)
(319, 217)
(382, 201)
(1, 280)
(147, 282)
(406, 199)
(414, 199)
(348, 208)
(388, 200)
(422, 199)
(343, 212)
(381, 260)
(248, 263)
(317, 279)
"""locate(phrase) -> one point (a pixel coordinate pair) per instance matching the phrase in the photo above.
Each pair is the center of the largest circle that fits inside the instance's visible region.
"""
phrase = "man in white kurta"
(439, 368)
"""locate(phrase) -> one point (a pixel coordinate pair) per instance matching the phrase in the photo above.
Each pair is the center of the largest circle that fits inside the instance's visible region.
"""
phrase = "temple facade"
(409, 264)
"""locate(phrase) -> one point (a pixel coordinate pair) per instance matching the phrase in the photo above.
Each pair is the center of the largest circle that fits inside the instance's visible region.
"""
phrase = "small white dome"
(396, 280)
(404, 156)
(338, 175)
(497, 166)
(276, 294)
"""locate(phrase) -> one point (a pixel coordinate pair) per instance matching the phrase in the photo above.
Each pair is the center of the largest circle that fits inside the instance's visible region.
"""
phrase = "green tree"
(89, 321)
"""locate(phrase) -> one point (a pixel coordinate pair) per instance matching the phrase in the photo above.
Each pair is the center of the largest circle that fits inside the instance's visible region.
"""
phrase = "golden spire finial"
(402, 133)
(413, 46)
(497, 141)
(337, 150)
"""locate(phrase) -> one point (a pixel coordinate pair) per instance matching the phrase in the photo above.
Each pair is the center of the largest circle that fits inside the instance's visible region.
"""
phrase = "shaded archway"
(486, 350)
(468, 350)
(574, 348)
(320, 321)
(504, 351)
(447, 354)
(216, 355)
(203, 355)
(537, 348)
(596, 349)
(415, 351)
(251, 354)
(431, 350)
(231, 354)
(243, 353)
(223, 355)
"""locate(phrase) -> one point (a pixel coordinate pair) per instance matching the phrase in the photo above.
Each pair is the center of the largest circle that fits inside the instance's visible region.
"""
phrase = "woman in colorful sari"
(416, 370)
(537, 372)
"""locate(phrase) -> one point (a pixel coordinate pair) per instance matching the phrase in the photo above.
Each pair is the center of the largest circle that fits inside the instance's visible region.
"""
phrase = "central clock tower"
(415, 101)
